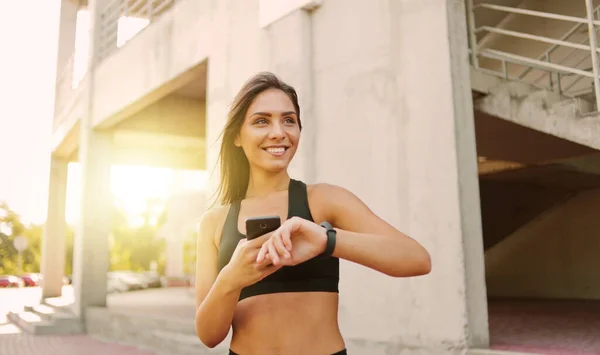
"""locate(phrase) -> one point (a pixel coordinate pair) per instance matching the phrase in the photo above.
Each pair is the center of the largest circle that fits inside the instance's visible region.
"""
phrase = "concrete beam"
(540, 110)
(158, 150)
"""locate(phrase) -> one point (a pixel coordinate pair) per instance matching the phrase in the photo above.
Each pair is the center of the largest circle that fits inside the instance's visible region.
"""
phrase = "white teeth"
(276, 150)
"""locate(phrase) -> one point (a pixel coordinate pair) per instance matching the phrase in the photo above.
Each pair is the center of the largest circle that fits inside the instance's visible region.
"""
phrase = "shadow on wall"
(553, 256)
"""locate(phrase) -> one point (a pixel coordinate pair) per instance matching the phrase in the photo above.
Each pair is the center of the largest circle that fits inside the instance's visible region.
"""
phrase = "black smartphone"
(257, 226)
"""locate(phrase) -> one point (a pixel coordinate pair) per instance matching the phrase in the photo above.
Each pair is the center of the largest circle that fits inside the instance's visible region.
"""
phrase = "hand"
(296, 241)
(243, 270)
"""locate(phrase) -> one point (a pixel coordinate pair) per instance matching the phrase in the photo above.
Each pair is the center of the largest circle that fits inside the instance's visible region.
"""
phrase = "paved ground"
(21, 344)
(546, 327)
(163, 302)
(542, 327)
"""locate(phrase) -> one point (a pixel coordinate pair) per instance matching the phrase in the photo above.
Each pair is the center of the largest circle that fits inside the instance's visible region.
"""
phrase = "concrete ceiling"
(501, 140)
(196, 89)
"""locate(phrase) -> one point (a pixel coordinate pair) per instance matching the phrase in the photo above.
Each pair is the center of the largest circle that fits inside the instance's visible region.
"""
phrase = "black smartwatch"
(331, 234)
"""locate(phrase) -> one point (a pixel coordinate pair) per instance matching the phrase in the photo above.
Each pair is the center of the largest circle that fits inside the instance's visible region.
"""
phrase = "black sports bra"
(314, 275)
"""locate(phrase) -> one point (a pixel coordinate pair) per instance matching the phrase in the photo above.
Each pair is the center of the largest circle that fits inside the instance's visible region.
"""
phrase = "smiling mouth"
(276, 151)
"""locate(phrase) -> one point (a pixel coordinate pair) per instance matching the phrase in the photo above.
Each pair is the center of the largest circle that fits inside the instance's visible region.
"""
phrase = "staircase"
(51, 317)
(536, 95)
(545, 44)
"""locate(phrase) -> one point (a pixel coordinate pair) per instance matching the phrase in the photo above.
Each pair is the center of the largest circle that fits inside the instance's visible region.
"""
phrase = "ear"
(237, 141)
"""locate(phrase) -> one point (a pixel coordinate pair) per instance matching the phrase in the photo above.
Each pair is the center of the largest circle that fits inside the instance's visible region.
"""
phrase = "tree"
(131, 248)
(10, 228)
(135, 248)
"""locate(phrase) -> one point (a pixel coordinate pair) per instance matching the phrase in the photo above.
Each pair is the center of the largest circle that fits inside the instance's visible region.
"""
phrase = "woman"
(279, 291)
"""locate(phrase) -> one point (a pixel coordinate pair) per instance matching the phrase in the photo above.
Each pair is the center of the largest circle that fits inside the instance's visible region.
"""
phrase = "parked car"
(11, 281)
(31, 280)
(133, 281)
(114, 284)
(151, 278)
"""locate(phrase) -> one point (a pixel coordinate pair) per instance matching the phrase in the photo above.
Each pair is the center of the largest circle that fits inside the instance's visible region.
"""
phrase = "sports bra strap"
(298, 203)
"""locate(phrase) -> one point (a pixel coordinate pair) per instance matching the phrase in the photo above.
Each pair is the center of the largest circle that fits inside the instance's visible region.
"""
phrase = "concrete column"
(53, 242)
(395, 126)
(65, 54)
(288, 52)
(91, 248)
(66, 33)
(440, 181)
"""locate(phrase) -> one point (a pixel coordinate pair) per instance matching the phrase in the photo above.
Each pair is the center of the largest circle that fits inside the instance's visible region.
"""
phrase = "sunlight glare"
(138, 189)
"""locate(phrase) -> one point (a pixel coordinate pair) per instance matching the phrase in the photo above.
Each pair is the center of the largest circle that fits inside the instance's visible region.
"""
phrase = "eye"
(261, 121)
(290, 120)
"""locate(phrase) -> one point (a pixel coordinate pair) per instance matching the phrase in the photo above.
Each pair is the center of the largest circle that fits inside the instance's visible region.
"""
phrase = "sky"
(27, 76)
(27, 73)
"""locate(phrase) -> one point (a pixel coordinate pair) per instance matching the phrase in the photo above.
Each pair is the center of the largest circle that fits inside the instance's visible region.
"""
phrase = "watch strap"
(331, 238)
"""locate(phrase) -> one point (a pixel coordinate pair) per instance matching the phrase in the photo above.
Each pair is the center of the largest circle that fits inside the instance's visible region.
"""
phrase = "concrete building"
(473, 127)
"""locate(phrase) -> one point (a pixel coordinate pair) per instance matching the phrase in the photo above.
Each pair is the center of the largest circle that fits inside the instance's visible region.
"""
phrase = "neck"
(262, 183)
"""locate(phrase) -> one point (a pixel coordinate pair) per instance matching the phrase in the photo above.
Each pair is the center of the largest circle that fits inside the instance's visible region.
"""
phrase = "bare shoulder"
(328, 192)
(211, 223)
(326, 201)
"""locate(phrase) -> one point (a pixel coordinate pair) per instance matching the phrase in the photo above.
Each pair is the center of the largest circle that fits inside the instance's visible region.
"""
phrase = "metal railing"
(565, 74)
(121, 20)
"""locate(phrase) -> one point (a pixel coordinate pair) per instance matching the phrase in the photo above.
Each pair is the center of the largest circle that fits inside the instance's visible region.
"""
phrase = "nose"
(276, 131)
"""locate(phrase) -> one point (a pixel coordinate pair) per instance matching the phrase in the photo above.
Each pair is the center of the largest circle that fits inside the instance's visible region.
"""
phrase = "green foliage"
(189, 254)
(10, 228)
(131, 248)
(135, 248)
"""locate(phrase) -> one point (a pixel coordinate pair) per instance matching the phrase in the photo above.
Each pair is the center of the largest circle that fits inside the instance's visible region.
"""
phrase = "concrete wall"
(380, 136)
(554, 256)
(363, 118)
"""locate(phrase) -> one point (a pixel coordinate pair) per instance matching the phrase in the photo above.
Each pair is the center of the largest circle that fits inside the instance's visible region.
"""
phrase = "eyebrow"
(270, 115)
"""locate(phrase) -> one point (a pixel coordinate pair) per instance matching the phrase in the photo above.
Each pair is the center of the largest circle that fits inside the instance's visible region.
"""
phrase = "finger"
(265, 263)
(259, 241)
(286, 238)
(273, 252)
(260, 257)
(279, 247)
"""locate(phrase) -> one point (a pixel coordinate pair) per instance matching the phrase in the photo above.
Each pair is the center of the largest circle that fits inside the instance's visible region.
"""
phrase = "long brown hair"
(235, 169)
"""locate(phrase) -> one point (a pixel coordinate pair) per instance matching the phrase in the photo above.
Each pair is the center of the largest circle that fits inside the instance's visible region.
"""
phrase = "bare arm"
(362, 237)
(366, 239)
(217, 293)
(216, 298)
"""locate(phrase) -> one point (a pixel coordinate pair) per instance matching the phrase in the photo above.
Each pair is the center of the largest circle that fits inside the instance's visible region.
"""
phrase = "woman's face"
(270, 133)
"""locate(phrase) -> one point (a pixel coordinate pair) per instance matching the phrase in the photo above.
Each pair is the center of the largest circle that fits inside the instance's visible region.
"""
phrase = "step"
(34, 323)
(44, 311)
(29, 322)
(58, 303)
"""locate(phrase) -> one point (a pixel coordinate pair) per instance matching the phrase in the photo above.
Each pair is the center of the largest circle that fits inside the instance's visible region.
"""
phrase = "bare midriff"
(287, 324)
